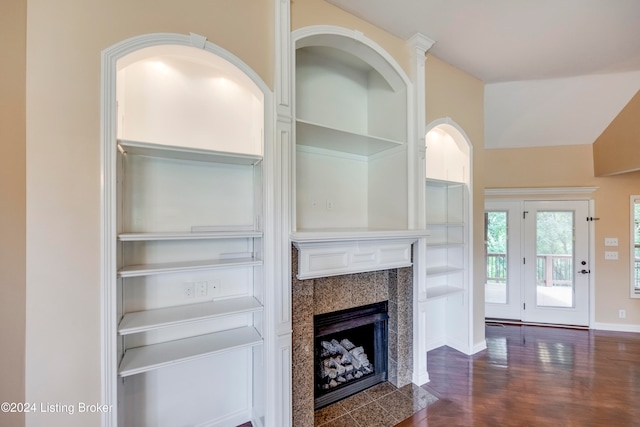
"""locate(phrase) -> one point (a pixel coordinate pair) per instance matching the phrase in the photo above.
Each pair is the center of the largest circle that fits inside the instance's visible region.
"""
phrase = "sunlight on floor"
(548, 296)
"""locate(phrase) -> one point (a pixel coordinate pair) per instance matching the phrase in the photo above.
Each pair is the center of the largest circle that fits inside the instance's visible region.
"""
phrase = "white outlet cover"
(611, 241)
(611, 255)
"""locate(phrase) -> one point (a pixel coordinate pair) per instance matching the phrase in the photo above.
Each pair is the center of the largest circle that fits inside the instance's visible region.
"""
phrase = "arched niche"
(183, 91)
(350, 83)
(448, 213)
(352, 108)
(185, 96)
(449, 152)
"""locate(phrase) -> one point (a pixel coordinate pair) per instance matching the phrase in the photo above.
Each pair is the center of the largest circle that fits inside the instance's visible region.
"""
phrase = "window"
(635, 246)
(495, 237)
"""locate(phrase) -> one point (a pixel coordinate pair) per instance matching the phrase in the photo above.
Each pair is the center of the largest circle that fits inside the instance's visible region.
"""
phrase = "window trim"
(635, 292)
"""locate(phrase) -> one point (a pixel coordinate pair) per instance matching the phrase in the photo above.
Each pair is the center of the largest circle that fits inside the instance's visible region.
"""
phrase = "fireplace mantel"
(332, 253)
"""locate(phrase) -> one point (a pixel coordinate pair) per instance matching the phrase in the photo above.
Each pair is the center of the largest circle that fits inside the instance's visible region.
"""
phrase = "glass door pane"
(503, 259)
(554, 258)
(556, 262)
(496, 257)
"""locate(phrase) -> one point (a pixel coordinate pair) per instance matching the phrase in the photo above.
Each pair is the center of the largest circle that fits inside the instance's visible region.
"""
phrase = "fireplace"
(350, 349)
(322, 295)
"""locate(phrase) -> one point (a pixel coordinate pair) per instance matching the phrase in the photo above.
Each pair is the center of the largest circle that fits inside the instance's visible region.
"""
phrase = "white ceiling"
(556, 71)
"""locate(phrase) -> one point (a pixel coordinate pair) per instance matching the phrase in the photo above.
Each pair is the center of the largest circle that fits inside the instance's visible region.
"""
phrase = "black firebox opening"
(350, 352)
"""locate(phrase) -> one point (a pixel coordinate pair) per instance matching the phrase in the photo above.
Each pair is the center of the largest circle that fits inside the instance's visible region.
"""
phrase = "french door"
(539, 270)
(503, 260)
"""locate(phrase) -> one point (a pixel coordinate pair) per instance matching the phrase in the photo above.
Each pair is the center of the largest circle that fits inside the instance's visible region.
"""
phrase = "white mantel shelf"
(325, 253)
(353, 235)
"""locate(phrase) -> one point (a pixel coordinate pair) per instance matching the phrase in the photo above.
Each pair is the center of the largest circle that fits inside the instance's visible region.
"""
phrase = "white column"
(419, 45)
(279, 361)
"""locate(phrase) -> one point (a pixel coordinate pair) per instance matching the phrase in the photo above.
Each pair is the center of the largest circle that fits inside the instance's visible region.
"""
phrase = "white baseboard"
(433, 344)
(616, 327)
(231, 420)
(482, 345)
(421, 378)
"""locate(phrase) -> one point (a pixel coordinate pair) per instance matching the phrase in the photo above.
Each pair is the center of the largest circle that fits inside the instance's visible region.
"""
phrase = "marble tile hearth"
(327, 294)
(383, 405)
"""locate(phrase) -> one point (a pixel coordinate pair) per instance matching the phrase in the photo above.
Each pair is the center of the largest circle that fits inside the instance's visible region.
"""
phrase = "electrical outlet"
(188, 289)
(611, 255)
(611, 241)
(622, 314)
(202, 289)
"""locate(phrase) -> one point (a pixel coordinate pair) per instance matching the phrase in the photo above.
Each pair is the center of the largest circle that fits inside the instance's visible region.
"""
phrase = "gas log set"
(341, 362)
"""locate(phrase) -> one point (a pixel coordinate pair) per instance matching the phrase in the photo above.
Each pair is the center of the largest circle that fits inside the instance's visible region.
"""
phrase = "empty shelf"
(445, 269)
(442, 291)
(187, 153)
(140, 321)
(129, 237)
(147, 358)
(173, 267)
(328, 138)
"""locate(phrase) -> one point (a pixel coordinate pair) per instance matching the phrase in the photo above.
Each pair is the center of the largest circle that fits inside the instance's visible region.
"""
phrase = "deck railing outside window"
(496, 268)
(551, 270)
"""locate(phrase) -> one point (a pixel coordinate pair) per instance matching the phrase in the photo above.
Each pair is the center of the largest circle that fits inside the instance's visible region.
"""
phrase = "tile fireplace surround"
(327, 294)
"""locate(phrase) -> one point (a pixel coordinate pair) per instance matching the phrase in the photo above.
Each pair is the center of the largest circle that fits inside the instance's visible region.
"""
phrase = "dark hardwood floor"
(536, 376)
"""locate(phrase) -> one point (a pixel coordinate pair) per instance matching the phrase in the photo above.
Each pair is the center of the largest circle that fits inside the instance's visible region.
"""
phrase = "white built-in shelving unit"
(351, 139)
(189, 276)
(446, 256)
(145, 358)
(447, 211)
(189, 215)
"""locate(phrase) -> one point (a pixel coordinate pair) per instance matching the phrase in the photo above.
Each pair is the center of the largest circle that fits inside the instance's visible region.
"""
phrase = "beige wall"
(572, 166)
(12, 205)
(616, 150)
(63, 178)
(460, 96)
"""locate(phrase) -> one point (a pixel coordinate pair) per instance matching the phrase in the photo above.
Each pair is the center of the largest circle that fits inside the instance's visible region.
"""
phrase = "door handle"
(583, 271)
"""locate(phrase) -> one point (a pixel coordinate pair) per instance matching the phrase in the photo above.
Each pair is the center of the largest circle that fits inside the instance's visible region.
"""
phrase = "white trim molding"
(615, 327)
(321, 258)
(543, 191)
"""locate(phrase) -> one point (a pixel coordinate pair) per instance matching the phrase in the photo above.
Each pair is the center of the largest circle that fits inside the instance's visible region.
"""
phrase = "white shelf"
(328, 138)
(443, 183)
(442, 270)
(352, 234)
(173, 267)
(445, 224)
(147, 358)
(196, 235)
(443, 244)
(442, 291)
(187, 153)
(141, 321)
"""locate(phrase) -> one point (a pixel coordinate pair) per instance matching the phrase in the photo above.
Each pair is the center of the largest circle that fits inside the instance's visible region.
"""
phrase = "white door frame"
(578, 313)
(556, 193)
